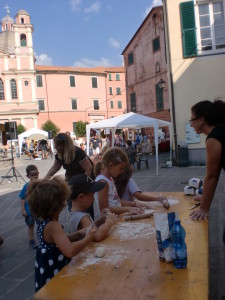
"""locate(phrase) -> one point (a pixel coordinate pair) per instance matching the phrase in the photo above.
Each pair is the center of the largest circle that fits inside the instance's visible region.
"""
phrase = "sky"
(81, 33)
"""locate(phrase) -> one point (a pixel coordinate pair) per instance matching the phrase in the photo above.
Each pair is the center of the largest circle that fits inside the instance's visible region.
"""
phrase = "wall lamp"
(162, 84)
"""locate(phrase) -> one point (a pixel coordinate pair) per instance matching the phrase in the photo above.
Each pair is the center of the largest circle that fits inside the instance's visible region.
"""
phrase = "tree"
(20, 129)
(80, 129)
(50, 126)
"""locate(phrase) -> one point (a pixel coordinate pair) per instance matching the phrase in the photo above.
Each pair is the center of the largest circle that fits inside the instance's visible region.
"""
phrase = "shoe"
(32, 244)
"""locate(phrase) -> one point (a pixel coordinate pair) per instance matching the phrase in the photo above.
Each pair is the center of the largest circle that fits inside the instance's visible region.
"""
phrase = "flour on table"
(132, 230)
(113, 256)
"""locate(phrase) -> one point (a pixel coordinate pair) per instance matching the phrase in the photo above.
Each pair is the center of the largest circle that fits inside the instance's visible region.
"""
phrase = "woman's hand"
(200, 214)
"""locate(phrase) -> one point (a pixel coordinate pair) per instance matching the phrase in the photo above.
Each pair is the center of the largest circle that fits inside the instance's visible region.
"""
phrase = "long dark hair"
(122, 180)
(212, 112)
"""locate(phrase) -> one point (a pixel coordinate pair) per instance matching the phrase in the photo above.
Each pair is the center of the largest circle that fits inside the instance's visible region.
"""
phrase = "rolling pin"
(138, 217)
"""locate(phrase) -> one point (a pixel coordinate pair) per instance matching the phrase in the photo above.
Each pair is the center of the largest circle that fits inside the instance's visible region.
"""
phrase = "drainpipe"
(46, 90)
(170, 79)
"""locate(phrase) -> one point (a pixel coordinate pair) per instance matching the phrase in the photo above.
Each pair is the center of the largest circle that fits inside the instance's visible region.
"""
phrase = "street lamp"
(162, 84)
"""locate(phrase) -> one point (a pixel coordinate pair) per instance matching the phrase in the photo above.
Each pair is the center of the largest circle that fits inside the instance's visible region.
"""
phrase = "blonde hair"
(115, 156)
(45, 197)
(64, 140)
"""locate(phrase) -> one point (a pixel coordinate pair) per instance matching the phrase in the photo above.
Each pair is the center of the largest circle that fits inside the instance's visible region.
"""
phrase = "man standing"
(96, 145)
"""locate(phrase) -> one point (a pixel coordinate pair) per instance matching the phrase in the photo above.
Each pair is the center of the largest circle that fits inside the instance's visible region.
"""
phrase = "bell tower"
(24, 41)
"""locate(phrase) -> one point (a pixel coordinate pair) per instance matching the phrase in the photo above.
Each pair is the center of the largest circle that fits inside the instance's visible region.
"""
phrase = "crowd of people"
(97, 192)
(39, 149)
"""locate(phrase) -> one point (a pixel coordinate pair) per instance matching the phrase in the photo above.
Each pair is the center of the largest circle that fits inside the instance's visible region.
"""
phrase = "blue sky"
(85, 33)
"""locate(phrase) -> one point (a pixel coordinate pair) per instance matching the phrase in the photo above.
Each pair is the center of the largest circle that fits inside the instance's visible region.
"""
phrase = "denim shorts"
(29, 220)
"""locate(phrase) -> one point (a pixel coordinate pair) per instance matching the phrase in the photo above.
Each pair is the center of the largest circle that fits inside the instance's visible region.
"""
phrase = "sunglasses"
(193, 119)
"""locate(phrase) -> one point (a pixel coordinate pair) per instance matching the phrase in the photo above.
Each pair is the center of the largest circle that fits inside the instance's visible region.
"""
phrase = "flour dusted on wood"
(113, 256)
(132, 230)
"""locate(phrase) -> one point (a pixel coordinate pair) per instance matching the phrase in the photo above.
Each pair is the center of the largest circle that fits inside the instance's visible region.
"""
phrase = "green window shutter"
(159, 98)
(188, 28)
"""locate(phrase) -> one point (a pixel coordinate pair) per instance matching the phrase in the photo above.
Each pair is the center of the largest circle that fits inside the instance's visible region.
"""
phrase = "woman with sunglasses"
(73, 159)
(209, 118)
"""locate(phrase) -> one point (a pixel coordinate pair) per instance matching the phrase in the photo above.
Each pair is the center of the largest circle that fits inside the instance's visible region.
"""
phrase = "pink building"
(30, 95)
(66, 95)
(145, 66)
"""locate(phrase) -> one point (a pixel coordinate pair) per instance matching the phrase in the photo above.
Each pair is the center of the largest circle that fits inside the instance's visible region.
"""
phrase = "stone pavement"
(17, 260)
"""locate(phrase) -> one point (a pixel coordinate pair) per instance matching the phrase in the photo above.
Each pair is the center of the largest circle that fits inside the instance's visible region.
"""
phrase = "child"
(47, 198)
(83, 189)
(32, 174)
(128, 190)
(113, 162)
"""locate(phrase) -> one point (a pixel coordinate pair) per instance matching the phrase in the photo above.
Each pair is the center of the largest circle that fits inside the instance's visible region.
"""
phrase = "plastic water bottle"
(179, 248)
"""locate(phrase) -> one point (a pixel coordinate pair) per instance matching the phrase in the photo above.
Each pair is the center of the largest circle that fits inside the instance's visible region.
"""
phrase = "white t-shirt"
(113, 197)
(129, 191)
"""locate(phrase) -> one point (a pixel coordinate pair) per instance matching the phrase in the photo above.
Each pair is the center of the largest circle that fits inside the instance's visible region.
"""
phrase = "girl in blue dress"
(47, 198)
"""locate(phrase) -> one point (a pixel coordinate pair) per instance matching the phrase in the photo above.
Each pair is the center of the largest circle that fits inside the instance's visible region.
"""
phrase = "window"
(96, 104)
(203, 27)
(22, 20)
(133, 102)
(39, 80)
(23, 40)
(13, 89)
(130, 58)
(119, 104)
(110, 90)
(26, 83)
(41, 104)
(157, 67)
(74, 104)
(2, 94)
(74, 126)
(159, 98)
(156, 44)
(110, 76)
(118, 91)
(72, 81)
(210, 26)
(117, 77)
(94, 82)
(111, 104)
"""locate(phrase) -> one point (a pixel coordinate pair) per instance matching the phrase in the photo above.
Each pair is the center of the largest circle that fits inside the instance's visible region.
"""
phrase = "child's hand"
(161, 198)
(24, 213)
(164, 201)
(91, 230)
(143, 204)
(136, 210)
(112, 217)
(105, 211)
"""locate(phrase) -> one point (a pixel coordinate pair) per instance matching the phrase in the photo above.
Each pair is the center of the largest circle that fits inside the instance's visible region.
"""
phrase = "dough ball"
(166, 204)
(100, 252)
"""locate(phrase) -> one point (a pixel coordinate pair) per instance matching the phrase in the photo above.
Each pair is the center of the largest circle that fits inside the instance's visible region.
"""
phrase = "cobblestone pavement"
(17, 260)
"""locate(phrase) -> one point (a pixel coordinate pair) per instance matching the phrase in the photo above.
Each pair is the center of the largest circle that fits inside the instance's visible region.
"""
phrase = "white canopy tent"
(32, 134)
(130, 120)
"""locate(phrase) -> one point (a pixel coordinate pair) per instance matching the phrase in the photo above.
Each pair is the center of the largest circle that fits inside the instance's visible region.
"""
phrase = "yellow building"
(195, 45)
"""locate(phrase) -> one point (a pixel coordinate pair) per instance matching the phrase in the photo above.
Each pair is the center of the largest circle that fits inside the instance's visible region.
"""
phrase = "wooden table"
(138, 273)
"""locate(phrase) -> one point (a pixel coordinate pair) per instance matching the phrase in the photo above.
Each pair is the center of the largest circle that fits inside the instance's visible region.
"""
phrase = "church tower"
(17, 74)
